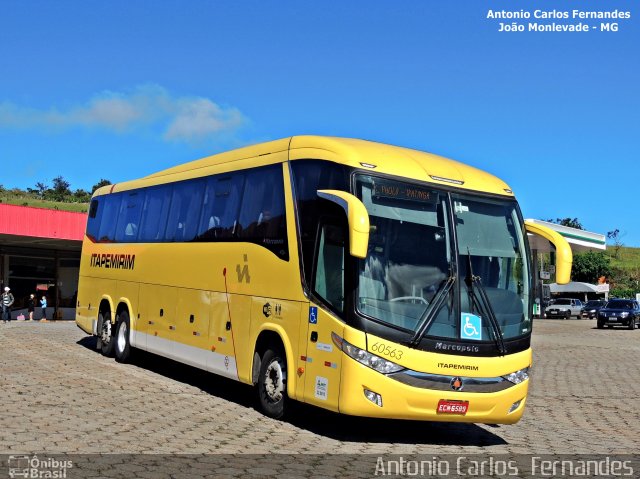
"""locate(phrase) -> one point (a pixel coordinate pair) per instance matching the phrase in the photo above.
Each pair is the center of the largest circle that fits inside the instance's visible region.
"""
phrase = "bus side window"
(129, 217)
(220, 211)
(329, 271)
(109, 217)
(154, 214)
(93, 222)
(184, 214)
(262, 214)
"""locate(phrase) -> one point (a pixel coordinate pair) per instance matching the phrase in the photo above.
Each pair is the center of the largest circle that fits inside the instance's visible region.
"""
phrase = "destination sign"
(403, 191)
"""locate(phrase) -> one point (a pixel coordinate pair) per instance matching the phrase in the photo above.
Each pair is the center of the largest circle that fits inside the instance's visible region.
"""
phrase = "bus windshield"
(405, 281)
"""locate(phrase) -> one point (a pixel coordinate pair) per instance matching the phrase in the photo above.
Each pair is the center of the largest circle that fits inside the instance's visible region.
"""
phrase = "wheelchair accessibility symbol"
(470, 326)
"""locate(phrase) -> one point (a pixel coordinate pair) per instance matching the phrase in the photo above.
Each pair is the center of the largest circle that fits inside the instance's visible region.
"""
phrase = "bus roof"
(361, 154)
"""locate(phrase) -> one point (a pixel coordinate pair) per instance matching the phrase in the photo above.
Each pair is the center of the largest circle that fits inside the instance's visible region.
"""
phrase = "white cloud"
(200, 117)
(189, 119)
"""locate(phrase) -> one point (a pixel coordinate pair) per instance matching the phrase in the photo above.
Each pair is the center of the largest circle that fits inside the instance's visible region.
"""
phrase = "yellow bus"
(362, 278)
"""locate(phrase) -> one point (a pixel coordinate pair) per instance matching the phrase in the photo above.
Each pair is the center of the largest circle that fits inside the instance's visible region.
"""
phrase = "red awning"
(42, 223)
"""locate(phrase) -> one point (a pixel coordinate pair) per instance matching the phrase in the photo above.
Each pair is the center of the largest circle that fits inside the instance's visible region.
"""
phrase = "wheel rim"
(122, 337)
(106, 332)
(274, 382)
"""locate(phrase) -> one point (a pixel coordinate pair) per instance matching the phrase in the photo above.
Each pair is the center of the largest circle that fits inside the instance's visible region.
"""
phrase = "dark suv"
(591, 308)
(619, 312)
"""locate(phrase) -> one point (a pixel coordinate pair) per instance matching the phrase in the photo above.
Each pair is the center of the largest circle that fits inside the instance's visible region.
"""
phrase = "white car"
(565, 308)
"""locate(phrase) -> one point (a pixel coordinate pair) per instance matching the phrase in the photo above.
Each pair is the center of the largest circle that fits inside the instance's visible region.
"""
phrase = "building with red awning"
(40, 254)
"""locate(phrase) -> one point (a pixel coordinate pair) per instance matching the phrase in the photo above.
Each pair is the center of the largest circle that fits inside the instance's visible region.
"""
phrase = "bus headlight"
(364, 357)
(518, 376)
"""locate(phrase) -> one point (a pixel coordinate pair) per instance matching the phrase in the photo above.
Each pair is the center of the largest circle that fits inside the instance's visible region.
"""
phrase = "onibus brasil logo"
(33, 467)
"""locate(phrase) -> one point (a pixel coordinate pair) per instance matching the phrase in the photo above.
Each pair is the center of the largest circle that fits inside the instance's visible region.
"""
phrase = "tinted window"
(221, 205)
(93, 222)
(109, 217)
(262, 213)
(184, 214)
(154, 213)
(309, 176)
(329, 276)
(129, 216)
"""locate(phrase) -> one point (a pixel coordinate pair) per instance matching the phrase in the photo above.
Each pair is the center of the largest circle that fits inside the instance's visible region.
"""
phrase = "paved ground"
(59, 395)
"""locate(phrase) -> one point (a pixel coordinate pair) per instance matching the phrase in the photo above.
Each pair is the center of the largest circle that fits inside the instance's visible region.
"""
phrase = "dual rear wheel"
(114, 339)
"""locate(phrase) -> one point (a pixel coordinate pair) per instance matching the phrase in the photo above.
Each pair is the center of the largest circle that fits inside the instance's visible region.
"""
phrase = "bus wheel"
(122, 344)
(272, 383)
(105, 338)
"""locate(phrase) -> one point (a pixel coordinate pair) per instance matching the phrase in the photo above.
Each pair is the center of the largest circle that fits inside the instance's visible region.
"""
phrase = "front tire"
(632, 324)
(122, 343)
(567, 315)
(600, 325)
(105, 335)
(272, 383)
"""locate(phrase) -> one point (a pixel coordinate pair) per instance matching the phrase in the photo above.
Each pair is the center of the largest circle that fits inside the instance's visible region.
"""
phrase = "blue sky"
(120, 89)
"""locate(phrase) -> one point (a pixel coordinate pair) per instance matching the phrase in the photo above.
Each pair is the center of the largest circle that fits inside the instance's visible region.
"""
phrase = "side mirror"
(357, 217)
(564, 256)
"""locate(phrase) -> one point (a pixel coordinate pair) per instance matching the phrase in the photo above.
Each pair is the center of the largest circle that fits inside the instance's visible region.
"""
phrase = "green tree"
(589, 266)
(81, 196)
(100, 184)
(570, 222)
(616, 237)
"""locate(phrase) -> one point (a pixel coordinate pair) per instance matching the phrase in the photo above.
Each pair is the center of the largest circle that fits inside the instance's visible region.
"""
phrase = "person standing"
(7, 302)
(31, 305)
(43, 305)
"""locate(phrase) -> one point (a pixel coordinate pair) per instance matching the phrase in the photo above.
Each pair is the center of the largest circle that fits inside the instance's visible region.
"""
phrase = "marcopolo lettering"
(461, 348)
(113, 261)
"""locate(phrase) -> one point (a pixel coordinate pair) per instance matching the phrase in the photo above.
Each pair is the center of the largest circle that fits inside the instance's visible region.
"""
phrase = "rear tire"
(272, 383)
(105, 335)
(122, 343)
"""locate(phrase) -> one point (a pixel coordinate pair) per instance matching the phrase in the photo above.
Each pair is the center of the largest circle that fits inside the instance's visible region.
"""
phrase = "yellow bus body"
(181, 297)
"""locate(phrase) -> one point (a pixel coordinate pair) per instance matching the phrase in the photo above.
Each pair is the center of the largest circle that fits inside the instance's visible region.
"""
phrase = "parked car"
(592, 307)
(620, 312)
(565, 308)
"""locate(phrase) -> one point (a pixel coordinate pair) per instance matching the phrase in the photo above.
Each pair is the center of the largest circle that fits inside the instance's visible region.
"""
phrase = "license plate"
(447, 406)
(553, 311)
(612, 318)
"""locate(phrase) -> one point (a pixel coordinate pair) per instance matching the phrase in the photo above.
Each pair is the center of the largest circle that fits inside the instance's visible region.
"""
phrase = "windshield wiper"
(483, 306)
(430, 312)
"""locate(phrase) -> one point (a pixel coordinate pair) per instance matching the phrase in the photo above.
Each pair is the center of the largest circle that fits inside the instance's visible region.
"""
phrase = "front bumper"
(402, 401)
(615, 321)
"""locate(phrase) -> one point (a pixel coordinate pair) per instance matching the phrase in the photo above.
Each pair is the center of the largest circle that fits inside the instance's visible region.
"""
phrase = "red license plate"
(447, 406)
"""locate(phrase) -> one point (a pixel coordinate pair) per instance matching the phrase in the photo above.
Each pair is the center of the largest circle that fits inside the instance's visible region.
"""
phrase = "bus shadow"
(362, 429)
(313, 419)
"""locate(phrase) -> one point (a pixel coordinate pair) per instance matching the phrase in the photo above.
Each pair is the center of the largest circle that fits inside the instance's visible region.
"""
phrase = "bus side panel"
(238, 335)
(222, 353)
(191, 335)
(86, 309)
(159, 303)
(324, 359)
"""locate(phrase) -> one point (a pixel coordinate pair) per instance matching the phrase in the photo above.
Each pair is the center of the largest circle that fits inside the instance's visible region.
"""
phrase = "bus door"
(323, 358)
(221, 358)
